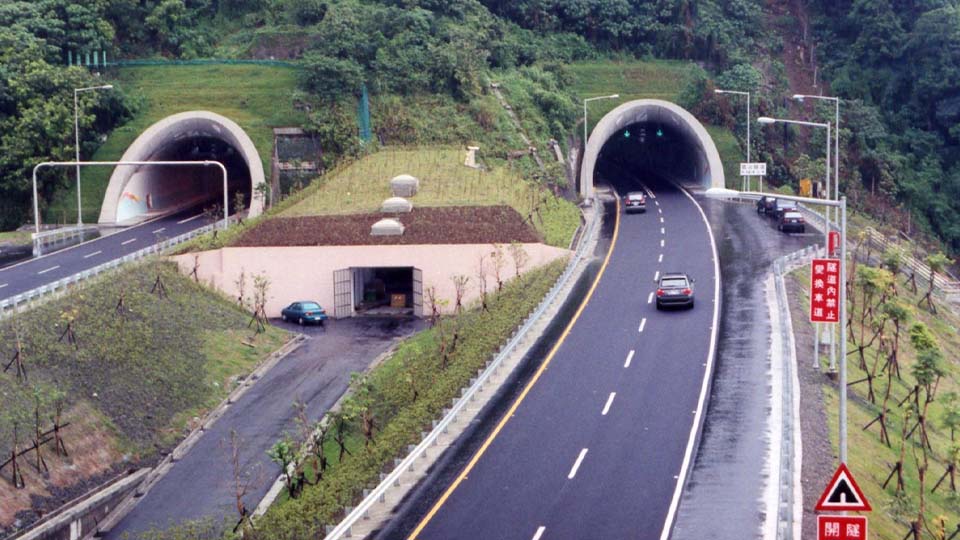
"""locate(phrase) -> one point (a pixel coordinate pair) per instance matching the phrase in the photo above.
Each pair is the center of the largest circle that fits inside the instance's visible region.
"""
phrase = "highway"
(37, 272)
(598, 443)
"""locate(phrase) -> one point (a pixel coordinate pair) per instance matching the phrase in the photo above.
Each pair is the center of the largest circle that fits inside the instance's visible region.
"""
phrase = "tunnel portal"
(652, 138)
(138, 192)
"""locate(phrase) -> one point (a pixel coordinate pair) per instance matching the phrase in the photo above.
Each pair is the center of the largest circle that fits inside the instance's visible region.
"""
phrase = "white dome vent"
(396, 205)
(404, 185)
(387, 227)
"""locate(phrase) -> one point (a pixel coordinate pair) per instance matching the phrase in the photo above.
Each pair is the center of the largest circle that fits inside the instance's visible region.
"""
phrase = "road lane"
(623, 486)
(34, 273)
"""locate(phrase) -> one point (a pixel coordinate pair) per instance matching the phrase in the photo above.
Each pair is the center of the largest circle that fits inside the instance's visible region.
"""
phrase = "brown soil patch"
(449, 225)
(92, 456)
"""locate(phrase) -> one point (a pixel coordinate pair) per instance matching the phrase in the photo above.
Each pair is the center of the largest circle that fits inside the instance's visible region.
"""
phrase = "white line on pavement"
(88, 255)
(4, 285)
(643, 322)
(160, 230)
(660, 210)
(661, 242)
(182, 221)
(48, 269)
(650, 298)
(663, 231)
(606, 408)
(656, 276)
(629, 359)
(539, 532)
(573, 471)
(125, 242)
(660, 258)
(661, 219)
(656, 203)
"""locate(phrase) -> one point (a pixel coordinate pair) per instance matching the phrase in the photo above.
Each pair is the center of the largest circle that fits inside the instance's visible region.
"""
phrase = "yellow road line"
(506, 417)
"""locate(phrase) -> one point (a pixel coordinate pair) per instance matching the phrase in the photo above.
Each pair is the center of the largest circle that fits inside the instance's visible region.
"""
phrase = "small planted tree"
(261, 288)
(498, 261)
(241, 287)
(482, 282)
(244, 478)
(17, 360)
(520, 257)
(936, 262)
(282, 454)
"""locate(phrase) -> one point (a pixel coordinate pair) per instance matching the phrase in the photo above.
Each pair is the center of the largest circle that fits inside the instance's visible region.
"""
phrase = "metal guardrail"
(940, 281)
(786, 489)
(343, 529)
(53, 237)
(16, 303)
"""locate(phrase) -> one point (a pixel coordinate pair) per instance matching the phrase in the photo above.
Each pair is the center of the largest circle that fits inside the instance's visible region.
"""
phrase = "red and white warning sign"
(841, 527)
(842, 494)
(825, 290)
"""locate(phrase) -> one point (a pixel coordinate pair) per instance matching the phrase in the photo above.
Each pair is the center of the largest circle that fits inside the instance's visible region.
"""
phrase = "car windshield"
(674, 282)
(308, 306)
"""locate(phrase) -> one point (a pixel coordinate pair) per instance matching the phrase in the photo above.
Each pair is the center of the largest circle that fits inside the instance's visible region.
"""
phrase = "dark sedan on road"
(766, 204)
(791, 222)
(675, 289)
(304, 312)
(635, 201)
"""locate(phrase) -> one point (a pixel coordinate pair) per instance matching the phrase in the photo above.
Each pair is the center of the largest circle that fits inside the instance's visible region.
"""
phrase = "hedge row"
(404, 396)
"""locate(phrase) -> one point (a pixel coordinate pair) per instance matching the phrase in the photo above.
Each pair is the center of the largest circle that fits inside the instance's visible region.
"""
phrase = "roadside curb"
(162, 468)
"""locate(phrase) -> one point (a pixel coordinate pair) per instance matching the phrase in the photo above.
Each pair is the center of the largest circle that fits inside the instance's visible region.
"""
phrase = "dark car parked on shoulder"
(783, 205)
(304, 312)
(766, 204)
(675, 289)
(635, 201)
(791, 222)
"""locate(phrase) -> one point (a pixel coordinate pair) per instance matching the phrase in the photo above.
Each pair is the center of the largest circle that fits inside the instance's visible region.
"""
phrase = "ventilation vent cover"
(404, 186)
(396, 205)
(387, 227)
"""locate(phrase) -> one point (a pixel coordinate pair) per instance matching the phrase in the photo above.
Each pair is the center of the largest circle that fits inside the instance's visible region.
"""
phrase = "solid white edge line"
(771, 491)
(539, 533)
(606, 408)
(576, 465)
(707, 378)
(97, 252)
(650, 298)
(125, 242)
(189, 219)
(643, 322)
(629, 359)
(48, 269)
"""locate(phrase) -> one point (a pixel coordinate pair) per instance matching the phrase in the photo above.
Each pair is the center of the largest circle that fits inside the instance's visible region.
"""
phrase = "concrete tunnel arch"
(136, 191)
(706, 170)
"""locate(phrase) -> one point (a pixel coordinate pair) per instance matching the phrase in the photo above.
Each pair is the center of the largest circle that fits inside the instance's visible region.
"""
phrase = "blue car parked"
(303, 313)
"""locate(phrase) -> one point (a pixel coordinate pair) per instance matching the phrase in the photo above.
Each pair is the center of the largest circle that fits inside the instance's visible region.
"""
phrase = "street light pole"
(78, 164)
(741, 93)
(76, 139)
(611, 96)
(841, 205)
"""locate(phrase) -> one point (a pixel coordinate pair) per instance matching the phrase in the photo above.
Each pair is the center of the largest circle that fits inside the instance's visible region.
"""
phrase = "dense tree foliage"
(899, 61)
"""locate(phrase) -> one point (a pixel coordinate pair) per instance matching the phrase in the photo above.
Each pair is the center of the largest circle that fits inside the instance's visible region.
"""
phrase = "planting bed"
(448, 225)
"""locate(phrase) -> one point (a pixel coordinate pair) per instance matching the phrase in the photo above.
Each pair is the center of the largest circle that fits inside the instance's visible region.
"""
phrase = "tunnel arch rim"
(159, 133)
(611, 123)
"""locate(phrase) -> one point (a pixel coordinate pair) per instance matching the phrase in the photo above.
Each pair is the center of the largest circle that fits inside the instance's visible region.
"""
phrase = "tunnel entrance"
(651, 141)
(137, 193)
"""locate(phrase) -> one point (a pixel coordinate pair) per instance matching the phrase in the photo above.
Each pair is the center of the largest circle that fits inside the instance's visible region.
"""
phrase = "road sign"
(841, 527)
(842, 494)
(825, 290)
(806, 187)
(753, 169)
(833, 243)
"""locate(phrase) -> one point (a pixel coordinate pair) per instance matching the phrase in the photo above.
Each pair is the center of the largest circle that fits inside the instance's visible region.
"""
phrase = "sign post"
(842, 495)
(825, 290)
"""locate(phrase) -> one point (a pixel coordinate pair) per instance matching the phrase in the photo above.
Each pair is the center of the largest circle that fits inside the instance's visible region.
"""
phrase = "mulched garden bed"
(445, 225)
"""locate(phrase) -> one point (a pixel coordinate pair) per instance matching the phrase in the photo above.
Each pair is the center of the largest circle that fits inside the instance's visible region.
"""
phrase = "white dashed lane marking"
(539, 533)
(125, 242)
(662, 242)
(576, 465)
(643, 322)
(160, 230)
(629, 359)
(650, 298)
(606, 408)
(48, 269)
(182, 221)
(661, 220)
(3, 285)
(660, 258)
(88, 255)
(656, 276)
(663, 231)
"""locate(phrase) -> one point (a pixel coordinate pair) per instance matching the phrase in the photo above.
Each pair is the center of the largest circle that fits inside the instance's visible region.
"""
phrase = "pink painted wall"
(302, 273)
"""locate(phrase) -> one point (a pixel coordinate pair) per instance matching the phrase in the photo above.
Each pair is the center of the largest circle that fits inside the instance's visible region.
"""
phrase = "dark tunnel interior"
(210, 180)
(649, 152)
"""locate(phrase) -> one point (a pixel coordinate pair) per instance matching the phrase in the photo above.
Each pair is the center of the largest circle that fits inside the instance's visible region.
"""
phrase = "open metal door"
(418, 292)
(343, 293)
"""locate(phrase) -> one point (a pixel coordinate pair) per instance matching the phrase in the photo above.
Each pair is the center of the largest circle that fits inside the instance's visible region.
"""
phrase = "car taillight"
(659, 292)
(687, 292)
(309, 313)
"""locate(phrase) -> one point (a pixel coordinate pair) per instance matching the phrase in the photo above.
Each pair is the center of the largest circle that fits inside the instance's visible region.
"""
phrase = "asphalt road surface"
(317, 374)
(37, 272)
(596, 447)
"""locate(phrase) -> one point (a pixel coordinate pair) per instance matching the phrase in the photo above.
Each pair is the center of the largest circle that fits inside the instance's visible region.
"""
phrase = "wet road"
(318, 373)
(722, 499)
(597, 447)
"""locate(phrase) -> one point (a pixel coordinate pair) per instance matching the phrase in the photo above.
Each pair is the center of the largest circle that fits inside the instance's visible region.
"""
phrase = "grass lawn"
(363, 185)
(15, 237)
(871, 459)
(258, 98)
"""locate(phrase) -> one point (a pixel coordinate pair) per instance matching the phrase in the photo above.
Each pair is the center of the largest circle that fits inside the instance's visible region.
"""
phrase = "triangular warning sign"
(843, 494)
